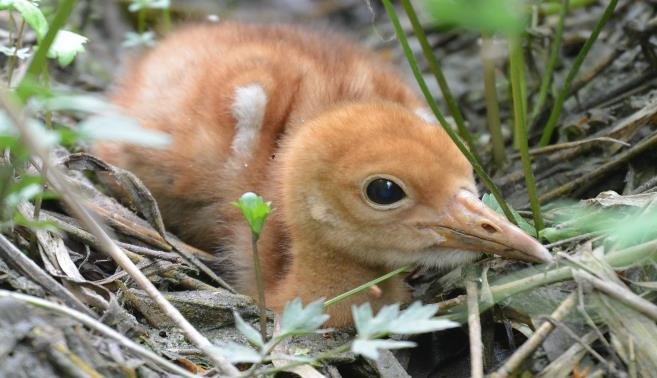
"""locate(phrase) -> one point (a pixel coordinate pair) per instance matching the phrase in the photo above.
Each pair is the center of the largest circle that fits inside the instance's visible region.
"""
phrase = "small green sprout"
(255, 210)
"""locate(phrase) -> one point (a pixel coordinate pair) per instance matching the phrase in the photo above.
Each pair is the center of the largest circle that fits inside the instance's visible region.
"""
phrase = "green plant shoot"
(255, 210)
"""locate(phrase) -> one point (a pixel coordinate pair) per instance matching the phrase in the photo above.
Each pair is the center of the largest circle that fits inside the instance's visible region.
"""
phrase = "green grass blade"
(546, 81)
(432, 104)
(492, 104)
(517, 68)
(437, 72)
(565, 90)
(366, 285)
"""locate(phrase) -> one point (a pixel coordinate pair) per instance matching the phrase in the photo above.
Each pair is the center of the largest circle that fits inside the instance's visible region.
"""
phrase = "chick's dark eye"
(384, 192)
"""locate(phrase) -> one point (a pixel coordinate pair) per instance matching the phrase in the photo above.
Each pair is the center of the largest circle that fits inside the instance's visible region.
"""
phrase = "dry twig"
(474, 326)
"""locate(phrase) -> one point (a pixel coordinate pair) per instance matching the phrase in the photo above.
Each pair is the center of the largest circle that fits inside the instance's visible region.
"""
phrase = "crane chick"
(361, 179)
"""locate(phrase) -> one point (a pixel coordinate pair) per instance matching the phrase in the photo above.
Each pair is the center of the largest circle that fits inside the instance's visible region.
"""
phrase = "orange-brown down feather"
(308, 122)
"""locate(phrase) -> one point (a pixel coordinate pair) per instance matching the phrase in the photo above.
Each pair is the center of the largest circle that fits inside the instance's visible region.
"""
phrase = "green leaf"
(370, 327)
(418, 318)
(66, 47)
(297, 320)
(22, 53)
(370, 348)
(133, 39)
(30, 13)
(121, 129)
(255, 210)
(235, 353)
(491, 202)
(249, 332)
(488, 16)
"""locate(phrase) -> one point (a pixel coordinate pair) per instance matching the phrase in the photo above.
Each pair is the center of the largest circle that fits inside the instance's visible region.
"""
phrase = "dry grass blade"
(620, 293)
(58, 181)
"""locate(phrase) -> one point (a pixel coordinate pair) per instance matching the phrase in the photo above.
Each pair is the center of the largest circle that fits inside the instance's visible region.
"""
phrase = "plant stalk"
(18, 44)
(261, 289)
(437, 72)
(546, 81)
(517, 68)
(488, 182)
(492, 105)
(366, 286)
(565, 89)
(141, 21)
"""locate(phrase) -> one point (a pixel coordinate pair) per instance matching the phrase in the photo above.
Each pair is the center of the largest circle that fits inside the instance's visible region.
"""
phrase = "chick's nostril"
(489, 228)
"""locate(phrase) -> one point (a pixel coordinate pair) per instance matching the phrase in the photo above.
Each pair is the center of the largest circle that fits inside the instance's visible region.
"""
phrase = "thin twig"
(18, 44)
(580, 341)
(585, 181)
(536, 339)
(58, 181)
(568, 145)
(474, 325)
(98, 327)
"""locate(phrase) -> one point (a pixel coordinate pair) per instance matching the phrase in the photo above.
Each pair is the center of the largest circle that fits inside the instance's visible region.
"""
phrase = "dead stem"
(564, 146)
(622, 294)
(585, 181)
(474, 325)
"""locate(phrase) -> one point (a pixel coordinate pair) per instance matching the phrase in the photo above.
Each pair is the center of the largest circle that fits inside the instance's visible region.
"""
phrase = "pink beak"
(469, 224)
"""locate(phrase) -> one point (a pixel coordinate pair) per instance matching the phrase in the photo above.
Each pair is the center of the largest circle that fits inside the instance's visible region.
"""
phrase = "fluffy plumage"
(308, 122)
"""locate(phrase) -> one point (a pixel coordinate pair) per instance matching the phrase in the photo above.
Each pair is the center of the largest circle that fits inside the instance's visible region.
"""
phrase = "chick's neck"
(320, 271)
